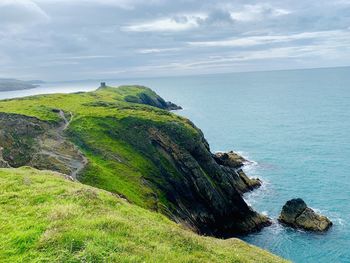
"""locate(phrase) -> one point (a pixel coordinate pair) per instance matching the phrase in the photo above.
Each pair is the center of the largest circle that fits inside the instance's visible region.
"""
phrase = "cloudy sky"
(88, 39)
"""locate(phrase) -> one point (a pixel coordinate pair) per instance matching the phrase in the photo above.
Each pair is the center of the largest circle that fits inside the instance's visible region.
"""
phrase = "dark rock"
(232, 162)
(295, 213)
(251, 183)
(291, 210)
(230, 159)
(173, 106)
(3, 163)
(206, 196)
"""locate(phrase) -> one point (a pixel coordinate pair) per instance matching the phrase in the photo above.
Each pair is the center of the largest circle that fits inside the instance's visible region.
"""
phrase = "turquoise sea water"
(294, 124)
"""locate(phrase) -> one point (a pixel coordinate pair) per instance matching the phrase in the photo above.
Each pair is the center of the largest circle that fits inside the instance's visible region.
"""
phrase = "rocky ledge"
(233, 162)
(297, 214)
(230, 159)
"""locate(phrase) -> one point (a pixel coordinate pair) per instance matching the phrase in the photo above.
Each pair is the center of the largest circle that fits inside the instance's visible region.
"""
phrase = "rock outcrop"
(27, 141)
(149, 97)
(3, 163)
(208, 197)
(230, 159)
(232, 163)
(297, 214)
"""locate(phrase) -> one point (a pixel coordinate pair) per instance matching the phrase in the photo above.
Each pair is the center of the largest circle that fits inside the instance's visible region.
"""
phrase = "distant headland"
(15, 84)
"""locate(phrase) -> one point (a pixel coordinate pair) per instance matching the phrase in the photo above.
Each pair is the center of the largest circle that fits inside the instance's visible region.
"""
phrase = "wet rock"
(297, 214)
(230, 159)
(232, 162)
(251, 183)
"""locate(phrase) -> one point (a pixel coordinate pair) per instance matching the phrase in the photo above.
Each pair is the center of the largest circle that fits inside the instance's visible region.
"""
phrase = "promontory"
(129, 181)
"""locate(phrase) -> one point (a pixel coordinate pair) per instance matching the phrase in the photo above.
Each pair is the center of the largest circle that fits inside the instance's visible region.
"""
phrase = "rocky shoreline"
(295, 213)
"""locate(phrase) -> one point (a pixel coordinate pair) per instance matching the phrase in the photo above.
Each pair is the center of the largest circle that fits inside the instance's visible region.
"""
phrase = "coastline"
(276, 163)
(8, 85)
(210, 202)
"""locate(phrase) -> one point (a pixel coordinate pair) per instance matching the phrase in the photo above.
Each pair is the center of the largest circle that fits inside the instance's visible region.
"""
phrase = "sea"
(293, 125)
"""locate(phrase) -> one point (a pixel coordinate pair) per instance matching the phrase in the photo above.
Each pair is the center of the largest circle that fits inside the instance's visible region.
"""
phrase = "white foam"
(334, 217)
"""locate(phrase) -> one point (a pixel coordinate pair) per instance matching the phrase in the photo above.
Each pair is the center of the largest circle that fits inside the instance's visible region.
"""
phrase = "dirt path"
(66, 122)
(76, 164)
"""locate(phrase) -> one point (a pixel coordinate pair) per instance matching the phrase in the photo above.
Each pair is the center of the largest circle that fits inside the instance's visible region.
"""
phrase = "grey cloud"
(17, 14)
(77, 39)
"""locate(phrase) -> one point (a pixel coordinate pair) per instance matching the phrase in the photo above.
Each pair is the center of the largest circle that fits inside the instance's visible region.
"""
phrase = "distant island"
(15, 84)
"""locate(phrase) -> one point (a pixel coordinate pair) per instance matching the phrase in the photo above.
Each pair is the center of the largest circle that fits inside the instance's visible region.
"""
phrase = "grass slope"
(103, 126)
(45, 218)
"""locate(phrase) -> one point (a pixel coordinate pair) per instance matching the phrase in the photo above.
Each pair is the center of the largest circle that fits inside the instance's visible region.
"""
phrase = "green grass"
(111, 133)
(45, 218)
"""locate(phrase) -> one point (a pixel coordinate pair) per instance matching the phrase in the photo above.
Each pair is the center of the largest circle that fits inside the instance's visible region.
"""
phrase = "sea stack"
(297, 214)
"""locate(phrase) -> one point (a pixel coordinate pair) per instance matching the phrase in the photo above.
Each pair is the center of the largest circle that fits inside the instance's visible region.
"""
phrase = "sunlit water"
(294, 124)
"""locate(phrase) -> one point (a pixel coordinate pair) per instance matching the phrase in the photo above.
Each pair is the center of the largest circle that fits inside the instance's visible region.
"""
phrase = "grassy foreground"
(46, 218)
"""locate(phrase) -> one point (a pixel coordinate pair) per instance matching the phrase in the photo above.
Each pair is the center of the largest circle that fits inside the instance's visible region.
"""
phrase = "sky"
(104, 39)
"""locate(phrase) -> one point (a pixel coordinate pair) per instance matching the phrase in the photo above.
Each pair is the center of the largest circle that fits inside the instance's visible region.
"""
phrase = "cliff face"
(207, 196)
(153, 158)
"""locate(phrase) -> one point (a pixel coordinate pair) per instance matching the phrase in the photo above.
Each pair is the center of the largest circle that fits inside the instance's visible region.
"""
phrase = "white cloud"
(156, 50)
(257, 12)
(177, 23)
(263, 40)
(87, 57)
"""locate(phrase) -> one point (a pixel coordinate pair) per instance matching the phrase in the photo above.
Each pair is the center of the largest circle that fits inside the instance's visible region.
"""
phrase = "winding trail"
(65, 121)
(76, 164)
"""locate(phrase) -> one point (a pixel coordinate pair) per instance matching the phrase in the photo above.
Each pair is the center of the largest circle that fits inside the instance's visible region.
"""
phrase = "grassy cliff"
(46, 218)
(100, 124)
(129, 144)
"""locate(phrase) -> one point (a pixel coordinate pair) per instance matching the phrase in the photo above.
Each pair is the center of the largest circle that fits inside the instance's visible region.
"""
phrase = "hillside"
(46, 218)
(124, 140)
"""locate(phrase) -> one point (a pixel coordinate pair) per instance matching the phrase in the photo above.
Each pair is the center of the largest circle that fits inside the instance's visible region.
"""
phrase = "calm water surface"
(294, 124)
